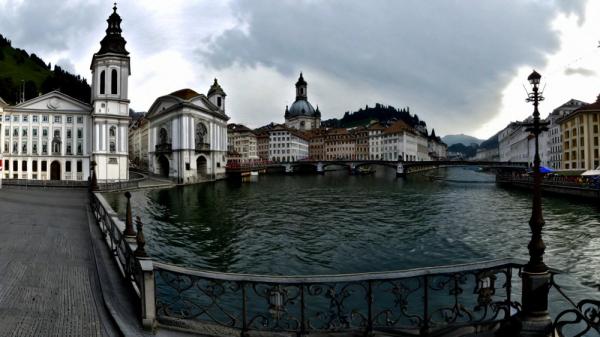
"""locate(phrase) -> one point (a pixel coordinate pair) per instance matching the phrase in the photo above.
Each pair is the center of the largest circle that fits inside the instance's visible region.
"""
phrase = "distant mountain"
(18, 69)
(466, 151)
(461, 139)
(381, 113)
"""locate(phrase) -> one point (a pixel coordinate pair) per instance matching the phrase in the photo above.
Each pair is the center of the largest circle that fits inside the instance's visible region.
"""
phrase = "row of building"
(280, 143)
(570, 143)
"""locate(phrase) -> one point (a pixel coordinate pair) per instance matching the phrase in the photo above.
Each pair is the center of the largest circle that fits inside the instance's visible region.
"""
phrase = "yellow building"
(580, 138)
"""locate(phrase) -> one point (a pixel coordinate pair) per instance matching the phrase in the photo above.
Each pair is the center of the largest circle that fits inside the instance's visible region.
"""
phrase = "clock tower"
(110, 77)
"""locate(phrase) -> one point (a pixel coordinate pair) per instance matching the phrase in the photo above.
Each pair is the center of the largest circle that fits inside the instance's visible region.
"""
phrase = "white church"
(57, 137)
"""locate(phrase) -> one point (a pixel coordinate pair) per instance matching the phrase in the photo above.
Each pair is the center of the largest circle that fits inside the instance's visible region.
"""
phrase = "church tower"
(301, 88)
(110, 77)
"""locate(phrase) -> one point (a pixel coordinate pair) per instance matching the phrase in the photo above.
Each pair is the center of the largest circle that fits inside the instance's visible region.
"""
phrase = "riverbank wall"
(553, 187)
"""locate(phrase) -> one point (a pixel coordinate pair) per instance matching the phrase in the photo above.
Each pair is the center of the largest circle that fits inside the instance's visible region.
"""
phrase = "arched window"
(112, 134)
(102, 82)
(162, 135)
(113, 82)
(113, 131)
(219, 101)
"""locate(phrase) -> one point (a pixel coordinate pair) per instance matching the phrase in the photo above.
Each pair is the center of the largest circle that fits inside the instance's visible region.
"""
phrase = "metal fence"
(420, 301)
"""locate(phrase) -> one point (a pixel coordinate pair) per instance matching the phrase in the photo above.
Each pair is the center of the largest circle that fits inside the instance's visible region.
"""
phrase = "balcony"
(163, 148)
(203, 147)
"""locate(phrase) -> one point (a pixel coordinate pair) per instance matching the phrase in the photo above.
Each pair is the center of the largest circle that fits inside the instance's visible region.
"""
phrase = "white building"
(47, 138)
(287, 145)
(400, 142)
(110, 115)
(301, 115)
(55, 137)
(375, 141)
(188, 135)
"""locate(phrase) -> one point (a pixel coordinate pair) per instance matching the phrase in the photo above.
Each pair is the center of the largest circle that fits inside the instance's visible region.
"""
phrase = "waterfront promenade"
(48, 278)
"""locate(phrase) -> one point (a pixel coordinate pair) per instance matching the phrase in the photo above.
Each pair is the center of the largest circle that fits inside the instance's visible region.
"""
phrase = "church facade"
(187, 134)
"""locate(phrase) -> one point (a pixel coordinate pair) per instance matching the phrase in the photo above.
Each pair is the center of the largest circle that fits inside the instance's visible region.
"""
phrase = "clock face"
(54, 103)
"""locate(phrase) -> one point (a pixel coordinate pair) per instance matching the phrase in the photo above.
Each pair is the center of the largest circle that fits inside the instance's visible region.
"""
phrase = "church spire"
(301, 92)
(113, 42)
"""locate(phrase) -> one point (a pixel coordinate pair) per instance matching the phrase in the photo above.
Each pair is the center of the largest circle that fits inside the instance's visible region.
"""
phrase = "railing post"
(370, 308)
(302, 312)
(147, 293)
(129, 232)
(425, 328)
(244, 311)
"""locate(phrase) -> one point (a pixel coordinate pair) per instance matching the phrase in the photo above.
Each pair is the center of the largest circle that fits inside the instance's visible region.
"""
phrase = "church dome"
(301, 108)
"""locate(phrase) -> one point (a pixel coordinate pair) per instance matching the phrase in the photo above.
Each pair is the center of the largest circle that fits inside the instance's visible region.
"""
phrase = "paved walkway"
(48, 278)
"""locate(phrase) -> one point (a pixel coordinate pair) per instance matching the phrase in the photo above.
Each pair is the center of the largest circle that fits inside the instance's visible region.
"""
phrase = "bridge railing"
(419, 302)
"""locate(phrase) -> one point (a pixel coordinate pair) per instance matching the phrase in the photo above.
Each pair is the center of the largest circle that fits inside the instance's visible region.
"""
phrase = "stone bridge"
(402, 167)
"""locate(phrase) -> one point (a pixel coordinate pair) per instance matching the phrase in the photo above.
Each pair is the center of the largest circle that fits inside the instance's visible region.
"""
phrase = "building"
(242, 140)
(188, 135)
(554, 135)
(400, 142)
(438, 150)
(316, 144)
(287, 144)
(56, 137)
(361, 135)
(138, 143)
(110, 104)
(580, 137)
(339, 144)
(301, 115)
(504, 141)
(262, 144)
(375, 132)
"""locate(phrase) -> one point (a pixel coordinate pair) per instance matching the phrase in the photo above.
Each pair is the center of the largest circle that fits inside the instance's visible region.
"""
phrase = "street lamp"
(536, 276)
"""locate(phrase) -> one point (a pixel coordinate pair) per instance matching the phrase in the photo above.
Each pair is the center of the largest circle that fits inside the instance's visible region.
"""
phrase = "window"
(595, 128)
(44, 167)
(34, 132)
(34, 118)
(68, 166)
(45, 118)
(25, 118)
(7, 118)
(15, 118)
(79, 148)
(45, 147)
(595, 141)
(79, 120)
(69, 120)
(79, 166)
(24, 166)
(57, 119)
(6, 132)
(34, 166)
(113, 147)
(112, 131)
(45, 132)
(24, 147)
(69, 134)
(16, 132)
(24, 132)
(57, 133)
(102, 82)
(15, 165)
(69, 149)
(219, 101)
(34, 147)
(113, 82)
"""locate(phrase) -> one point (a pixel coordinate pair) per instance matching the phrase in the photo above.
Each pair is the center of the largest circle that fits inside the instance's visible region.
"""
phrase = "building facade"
(187, 135)
(287, 144)
(554, 137)
(580, 137)
(243, 141)
(301, 115)
(138, 143)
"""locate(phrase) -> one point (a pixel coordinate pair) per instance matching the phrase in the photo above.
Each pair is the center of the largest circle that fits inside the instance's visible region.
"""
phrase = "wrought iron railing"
(419, 301)
(581, 319)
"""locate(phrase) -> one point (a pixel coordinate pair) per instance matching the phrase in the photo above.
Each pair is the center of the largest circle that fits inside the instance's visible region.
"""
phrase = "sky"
(460, 65)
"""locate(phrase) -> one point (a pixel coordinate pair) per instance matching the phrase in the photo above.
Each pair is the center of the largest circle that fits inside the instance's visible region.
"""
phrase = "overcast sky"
(458, 64)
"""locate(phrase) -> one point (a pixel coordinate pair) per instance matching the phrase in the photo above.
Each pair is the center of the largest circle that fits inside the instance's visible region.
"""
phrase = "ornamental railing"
(581, 319)
(419, 302)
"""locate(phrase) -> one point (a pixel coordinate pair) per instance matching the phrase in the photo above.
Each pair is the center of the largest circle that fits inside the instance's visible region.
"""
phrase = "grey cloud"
(49, 25)
(449, 58)
(579, 71)
(67, 65)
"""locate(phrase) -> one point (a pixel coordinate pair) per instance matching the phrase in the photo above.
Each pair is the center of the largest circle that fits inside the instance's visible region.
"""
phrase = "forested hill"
(17, 67)
(380, 112)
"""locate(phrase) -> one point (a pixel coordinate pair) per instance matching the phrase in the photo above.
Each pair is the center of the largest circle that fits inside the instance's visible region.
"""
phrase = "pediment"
(55, 100)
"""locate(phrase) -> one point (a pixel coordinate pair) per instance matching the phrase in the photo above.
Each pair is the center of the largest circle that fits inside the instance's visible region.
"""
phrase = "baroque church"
(57, 137)
(301, 115)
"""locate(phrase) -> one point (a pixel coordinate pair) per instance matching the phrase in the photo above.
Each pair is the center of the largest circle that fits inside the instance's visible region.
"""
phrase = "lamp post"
(536, 276)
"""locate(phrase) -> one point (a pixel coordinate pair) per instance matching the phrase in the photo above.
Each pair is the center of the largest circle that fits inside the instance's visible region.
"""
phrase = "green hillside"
(18, 68)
